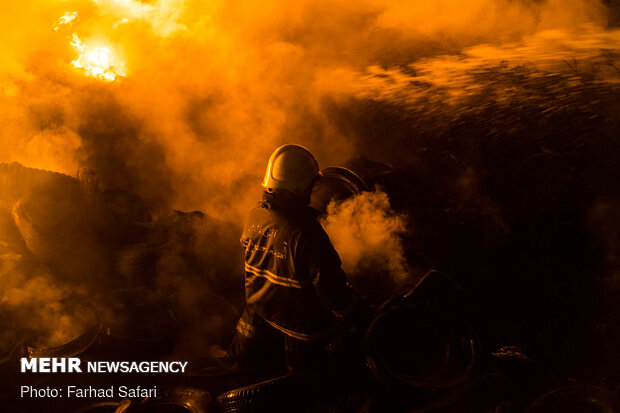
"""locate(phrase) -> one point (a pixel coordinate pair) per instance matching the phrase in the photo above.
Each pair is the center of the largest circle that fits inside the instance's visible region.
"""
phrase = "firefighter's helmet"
(291, 167)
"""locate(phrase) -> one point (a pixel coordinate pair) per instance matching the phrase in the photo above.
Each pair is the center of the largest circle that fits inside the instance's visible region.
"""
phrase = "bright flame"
(77, 43)
(67, 18)
(97, 62)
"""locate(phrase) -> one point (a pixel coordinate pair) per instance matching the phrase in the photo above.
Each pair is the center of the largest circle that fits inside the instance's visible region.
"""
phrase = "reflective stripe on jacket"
(293, 275)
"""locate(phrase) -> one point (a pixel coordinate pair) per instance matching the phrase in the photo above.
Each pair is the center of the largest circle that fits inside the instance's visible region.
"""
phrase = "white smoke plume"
(367, 233)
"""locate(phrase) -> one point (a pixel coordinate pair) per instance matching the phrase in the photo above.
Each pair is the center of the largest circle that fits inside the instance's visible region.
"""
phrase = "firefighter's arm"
(329, 279)
(336, 294)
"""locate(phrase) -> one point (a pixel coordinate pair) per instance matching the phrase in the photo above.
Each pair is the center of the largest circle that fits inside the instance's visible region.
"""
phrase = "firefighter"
(296, 292)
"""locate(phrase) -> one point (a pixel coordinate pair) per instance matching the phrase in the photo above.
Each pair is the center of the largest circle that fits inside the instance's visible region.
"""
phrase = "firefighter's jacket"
(293, 275)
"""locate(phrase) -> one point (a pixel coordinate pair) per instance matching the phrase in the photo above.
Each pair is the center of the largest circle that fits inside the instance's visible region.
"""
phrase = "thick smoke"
(212, 87)
(367, 234)
(36, 309)
(36, 305)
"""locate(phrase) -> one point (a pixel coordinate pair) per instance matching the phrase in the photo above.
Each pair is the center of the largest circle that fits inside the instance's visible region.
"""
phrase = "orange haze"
(211, 88)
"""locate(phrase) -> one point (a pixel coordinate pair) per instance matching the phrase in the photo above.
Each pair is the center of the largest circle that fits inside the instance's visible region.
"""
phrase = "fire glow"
(67, 18)
(97, 62)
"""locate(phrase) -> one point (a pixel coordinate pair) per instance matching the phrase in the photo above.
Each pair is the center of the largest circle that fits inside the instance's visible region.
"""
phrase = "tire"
(16, 181)
(337, 184)
(65, 240)
(401, 340)
(273, 395)
(574, 398)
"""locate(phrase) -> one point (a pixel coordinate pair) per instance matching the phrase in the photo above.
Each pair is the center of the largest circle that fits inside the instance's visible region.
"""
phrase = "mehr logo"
(51, 365)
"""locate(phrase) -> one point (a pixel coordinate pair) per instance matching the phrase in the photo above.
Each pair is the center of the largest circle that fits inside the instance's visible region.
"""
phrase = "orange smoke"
(39, 309)
(217, 85)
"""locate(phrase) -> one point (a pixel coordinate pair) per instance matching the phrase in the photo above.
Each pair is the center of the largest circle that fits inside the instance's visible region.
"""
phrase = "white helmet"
(291, 167)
